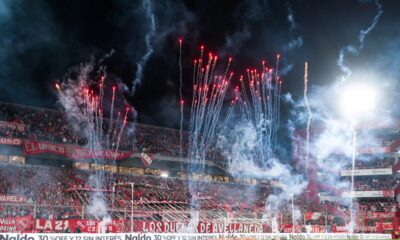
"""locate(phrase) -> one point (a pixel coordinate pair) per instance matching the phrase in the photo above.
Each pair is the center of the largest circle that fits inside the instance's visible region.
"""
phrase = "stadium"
(45, 185)
(128, 127)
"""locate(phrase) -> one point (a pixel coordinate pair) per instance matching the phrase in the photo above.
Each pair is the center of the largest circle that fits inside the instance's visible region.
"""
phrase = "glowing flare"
(357, 101)
(57, 86)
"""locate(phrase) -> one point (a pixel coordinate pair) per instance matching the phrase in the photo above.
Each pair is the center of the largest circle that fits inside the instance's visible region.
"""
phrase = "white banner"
(10, 141)
(369, 194)
(12, 198)
(188, 236)
(12, 125)
(366, 172)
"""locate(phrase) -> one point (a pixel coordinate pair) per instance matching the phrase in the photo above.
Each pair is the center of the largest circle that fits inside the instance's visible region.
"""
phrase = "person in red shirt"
(395, 235)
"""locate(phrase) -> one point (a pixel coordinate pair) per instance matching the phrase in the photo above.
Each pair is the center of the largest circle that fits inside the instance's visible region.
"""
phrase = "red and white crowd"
(65, 193)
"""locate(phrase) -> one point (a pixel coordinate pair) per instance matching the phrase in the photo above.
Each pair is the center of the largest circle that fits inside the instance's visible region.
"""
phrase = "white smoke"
(247, 13)
(242, 153)
(355, 50)
(295, 42)
(88, 123)
(331, 139)
(98, 208)
(147, 5)
(71, 99)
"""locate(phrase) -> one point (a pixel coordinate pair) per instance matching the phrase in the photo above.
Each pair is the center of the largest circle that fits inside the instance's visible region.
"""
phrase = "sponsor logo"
(15, 237)
(136, 237)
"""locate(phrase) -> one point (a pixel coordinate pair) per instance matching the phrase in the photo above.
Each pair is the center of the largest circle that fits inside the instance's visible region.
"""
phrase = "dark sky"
(41, 40)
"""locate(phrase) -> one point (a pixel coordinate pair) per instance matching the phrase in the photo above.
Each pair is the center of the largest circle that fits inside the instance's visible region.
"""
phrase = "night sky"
(41, 40)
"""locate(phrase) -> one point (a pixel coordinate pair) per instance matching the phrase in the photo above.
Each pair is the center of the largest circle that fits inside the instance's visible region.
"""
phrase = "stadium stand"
(45, 192)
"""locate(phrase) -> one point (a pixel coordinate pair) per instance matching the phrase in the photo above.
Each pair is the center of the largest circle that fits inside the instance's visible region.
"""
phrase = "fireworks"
(93, 111)
(254, 103)
(209, 90)
(87, 102)
(307, 155)
(57, 86)
(259, 102)
(181, 101)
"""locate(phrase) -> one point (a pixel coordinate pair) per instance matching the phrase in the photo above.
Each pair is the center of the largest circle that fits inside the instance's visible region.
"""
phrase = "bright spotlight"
(357, 101)
(164, 175)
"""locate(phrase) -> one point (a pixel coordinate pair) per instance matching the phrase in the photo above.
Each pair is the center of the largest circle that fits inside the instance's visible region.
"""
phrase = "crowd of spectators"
(65, 193)
(10, 211)
(368, 183)
(383, 205)
(70, 189)
(39, 123)
(372, 163)
(51, 125)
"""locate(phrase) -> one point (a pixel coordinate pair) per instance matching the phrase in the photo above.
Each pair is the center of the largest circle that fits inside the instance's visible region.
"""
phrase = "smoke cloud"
(355, 50)
(147, 5)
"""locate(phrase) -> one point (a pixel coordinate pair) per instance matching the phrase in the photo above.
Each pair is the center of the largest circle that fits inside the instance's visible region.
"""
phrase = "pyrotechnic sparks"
(86, 103)
(181, 101)
(309, 116)
(207, 118)
(209, 90)
(57, 86)
(92, 110)
(259, 101)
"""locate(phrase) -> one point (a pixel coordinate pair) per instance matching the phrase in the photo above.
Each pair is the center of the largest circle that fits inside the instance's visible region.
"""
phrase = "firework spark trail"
(114, 131)
(309, 116)
(181, 101)
(217, 110)
(259, 102)
(207, 120)
(209, 92)
(355, 50)
(73, 96)
(218, 105)
(231, 108)
(243, 98)
(125, 121)
(84, 99)
(147, 5)
(277, 98)
(94, 113)
(99, 103)
(109, 130)
(250, 150)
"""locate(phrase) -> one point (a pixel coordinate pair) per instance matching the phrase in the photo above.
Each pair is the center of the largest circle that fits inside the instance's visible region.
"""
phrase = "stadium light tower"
(357, 103)
(132, 184)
